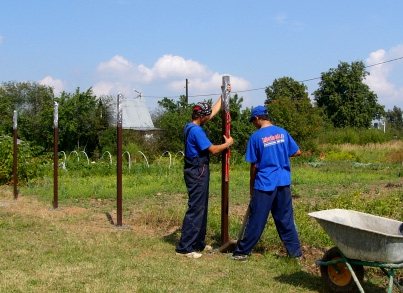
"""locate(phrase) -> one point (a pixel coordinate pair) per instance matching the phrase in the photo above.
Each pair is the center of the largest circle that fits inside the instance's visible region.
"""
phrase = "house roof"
(135, 114)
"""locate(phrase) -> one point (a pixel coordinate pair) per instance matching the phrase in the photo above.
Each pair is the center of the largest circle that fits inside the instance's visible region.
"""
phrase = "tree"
(395, 118)
(173, 116)
(290, 107)
(345, 99)
(241, 128)
(34, 104)
(82, 119)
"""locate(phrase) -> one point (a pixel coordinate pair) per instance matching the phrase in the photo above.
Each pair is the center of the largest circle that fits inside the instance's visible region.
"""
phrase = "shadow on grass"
(315, 283)
(173, 236)
(302, 279)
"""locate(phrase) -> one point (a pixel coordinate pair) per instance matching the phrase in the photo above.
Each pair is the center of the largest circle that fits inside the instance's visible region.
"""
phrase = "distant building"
(379, 124)
(136, 115)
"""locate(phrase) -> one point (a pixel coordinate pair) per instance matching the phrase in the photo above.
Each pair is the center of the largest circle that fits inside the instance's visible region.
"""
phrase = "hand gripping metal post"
(226, 244)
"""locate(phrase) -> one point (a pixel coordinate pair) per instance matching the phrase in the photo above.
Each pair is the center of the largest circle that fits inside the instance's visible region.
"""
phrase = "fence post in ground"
(15, 155)
(119, 162)
(226, 126)
(55, 155)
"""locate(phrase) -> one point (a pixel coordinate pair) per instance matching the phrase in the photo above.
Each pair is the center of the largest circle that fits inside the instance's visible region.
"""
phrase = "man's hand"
(228, 140)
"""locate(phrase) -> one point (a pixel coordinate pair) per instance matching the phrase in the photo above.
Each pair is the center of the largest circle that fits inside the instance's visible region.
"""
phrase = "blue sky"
(153, 46)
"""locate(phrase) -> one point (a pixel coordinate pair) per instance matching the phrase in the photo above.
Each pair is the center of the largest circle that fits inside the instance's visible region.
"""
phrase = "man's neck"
(265, 123)
(196, 121)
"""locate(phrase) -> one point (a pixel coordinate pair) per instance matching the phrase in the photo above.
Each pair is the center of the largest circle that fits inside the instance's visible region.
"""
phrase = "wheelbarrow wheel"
(337, 277)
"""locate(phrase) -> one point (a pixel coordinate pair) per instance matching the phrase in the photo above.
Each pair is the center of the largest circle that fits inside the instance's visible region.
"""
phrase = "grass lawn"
(76, 248)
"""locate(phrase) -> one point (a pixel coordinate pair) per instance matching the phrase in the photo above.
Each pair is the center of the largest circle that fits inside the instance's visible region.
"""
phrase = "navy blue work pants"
(195, 221)
(279, 202)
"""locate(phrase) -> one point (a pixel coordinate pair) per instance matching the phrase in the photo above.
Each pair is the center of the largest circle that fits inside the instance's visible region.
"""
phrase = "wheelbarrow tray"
(363, 236)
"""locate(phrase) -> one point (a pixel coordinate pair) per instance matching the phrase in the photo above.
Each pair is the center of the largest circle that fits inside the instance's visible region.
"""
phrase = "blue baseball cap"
(258, 111)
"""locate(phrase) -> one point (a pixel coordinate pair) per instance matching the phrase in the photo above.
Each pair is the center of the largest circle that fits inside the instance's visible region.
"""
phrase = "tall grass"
(354, 136)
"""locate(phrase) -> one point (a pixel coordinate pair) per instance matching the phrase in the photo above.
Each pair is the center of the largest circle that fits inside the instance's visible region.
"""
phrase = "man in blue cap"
(268, 151)
(197, 176)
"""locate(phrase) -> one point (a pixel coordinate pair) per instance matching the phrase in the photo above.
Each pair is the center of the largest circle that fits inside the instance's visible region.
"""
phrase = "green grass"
(76, 249)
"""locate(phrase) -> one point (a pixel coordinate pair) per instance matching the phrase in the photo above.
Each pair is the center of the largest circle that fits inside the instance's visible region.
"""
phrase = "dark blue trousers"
(279, 202)
(194, 226)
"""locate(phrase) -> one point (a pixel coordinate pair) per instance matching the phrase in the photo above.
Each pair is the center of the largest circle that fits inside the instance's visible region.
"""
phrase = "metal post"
(119, 162)
(226, 127)
(15, 155)
(55, 155)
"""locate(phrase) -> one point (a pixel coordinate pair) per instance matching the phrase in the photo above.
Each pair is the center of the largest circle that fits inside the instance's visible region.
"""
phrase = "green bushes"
(353, 136)
(29, 165)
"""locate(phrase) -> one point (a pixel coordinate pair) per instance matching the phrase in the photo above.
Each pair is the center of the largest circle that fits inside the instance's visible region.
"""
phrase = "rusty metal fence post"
(15, 155)
(226, 127)
(119, 163)
(55, 155)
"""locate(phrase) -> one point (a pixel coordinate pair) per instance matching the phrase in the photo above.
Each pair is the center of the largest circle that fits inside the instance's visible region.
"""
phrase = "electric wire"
(262, 88)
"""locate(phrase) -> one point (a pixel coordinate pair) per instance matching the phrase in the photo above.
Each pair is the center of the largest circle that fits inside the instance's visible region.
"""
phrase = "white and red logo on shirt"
(272, 139)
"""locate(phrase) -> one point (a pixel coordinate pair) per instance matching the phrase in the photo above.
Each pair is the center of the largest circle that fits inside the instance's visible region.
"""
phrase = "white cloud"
(175, 66)
(57, 84)
(380, 76)
(167, 74)
(120, 69)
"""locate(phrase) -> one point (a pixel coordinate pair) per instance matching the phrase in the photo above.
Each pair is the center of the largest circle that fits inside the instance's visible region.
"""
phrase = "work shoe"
(240, 257)
(192, 254)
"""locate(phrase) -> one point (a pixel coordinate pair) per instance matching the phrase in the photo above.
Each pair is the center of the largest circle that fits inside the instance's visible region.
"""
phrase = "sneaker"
(192, 254)
(208, 248)
(240, 257)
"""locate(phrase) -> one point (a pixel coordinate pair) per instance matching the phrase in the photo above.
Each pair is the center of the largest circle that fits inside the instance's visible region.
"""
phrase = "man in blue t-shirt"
(197, 177)
(268, 151)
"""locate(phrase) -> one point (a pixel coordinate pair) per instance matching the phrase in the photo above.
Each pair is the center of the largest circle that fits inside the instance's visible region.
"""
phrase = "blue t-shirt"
(269, 148)
(197, 140)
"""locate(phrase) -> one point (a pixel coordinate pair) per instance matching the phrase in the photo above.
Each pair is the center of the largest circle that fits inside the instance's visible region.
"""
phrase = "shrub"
(29, 166)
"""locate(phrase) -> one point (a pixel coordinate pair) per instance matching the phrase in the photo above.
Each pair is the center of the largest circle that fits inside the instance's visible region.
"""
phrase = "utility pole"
(187, 94)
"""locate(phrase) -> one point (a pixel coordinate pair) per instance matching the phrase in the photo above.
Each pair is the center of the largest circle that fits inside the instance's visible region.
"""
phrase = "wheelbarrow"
(361, 240)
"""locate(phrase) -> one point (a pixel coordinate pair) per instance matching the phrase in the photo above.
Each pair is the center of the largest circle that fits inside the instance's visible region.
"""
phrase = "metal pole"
(119, 162)
(226, 127)
(15, 155)
(55, 155)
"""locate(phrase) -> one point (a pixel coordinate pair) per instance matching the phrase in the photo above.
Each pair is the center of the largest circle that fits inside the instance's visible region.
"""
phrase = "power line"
(263, 88)
(387, 61)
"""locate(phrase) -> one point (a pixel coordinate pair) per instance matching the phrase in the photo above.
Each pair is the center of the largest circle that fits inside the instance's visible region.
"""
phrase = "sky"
(151, 47)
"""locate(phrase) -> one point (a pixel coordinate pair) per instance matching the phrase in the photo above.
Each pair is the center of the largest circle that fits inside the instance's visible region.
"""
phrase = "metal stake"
(119, 162)
(15, 155)
(226, 127)
(55, 155)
